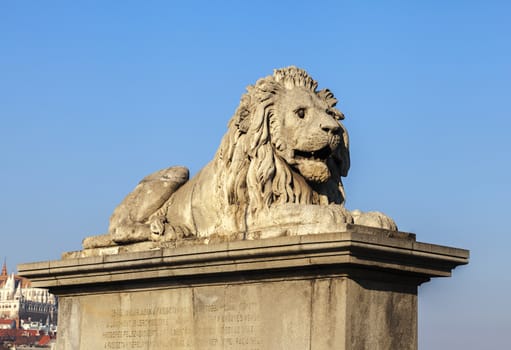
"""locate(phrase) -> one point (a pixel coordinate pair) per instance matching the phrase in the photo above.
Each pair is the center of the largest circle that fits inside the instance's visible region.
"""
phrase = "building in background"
(29, 308)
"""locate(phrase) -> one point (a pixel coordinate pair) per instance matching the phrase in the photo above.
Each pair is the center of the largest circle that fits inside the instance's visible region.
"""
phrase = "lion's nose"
(330, 128)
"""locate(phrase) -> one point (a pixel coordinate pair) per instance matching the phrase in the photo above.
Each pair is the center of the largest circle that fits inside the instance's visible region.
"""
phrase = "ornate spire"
(4, 268)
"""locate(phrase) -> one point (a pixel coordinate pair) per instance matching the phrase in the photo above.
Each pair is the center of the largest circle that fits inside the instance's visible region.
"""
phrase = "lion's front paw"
(164, 231)
(373, 219)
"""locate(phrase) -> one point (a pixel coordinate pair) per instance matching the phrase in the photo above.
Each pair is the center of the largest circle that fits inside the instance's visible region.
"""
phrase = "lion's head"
(285, 144)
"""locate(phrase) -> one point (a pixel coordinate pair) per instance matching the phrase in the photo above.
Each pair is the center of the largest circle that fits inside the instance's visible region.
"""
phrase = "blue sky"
(95, 95)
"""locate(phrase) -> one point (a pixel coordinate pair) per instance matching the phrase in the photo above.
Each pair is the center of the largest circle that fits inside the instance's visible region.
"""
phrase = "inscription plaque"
(213, 318)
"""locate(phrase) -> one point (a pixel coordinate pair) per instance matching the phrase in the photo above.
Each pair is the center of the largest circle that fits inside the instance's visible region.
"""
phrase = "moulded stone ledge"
(373, 249)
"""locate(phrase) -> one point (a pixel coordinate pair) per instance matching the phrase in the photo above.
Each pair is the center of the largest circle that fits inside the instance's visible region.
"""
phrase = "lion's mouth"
(319, 155)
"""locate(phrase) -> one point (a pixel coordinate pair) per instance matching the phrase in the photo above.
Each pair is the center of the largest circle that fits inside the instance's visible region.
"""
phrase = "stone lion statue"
(277, 172)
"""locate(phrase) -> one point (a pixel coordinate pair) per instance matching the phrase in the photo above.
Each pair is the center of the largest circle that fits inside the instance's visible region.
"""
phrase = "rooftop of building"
(25, 283)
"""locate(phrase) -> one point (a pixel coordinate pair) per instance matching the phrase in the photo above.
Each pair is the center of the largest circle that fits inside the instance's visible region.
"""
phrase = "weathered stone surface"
(347, 290)
(320, 314)
(240, 316)
(280, 163)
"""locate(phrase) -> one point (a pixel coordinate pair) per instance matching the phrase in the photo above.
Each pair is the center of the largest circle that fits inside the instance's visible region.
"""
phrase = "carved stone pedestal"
(355, 289)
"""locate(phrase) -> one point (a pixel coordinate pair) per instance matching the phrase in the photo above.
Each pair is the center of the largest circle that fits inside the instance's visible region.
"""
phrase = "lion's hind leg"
(141, 215)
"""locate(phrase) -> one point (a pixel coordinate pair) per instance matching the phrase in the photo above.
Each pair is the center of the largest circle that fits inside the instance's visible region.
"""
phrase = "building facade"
(27, 306)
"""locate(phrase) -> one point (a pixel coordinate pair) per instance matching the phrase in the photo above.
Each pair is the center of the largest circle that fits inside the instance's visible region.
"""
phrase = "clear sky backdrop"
(94, 95)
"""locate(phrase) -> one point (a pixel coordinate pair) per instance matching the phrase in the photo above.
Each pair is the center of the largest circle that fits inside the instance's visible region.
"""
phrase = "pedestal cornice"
(385, 253)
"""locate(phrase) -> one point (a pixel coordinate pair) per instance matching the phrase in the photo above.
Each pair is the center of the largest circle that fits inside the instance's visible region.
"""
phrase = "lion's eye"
(300, 112)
